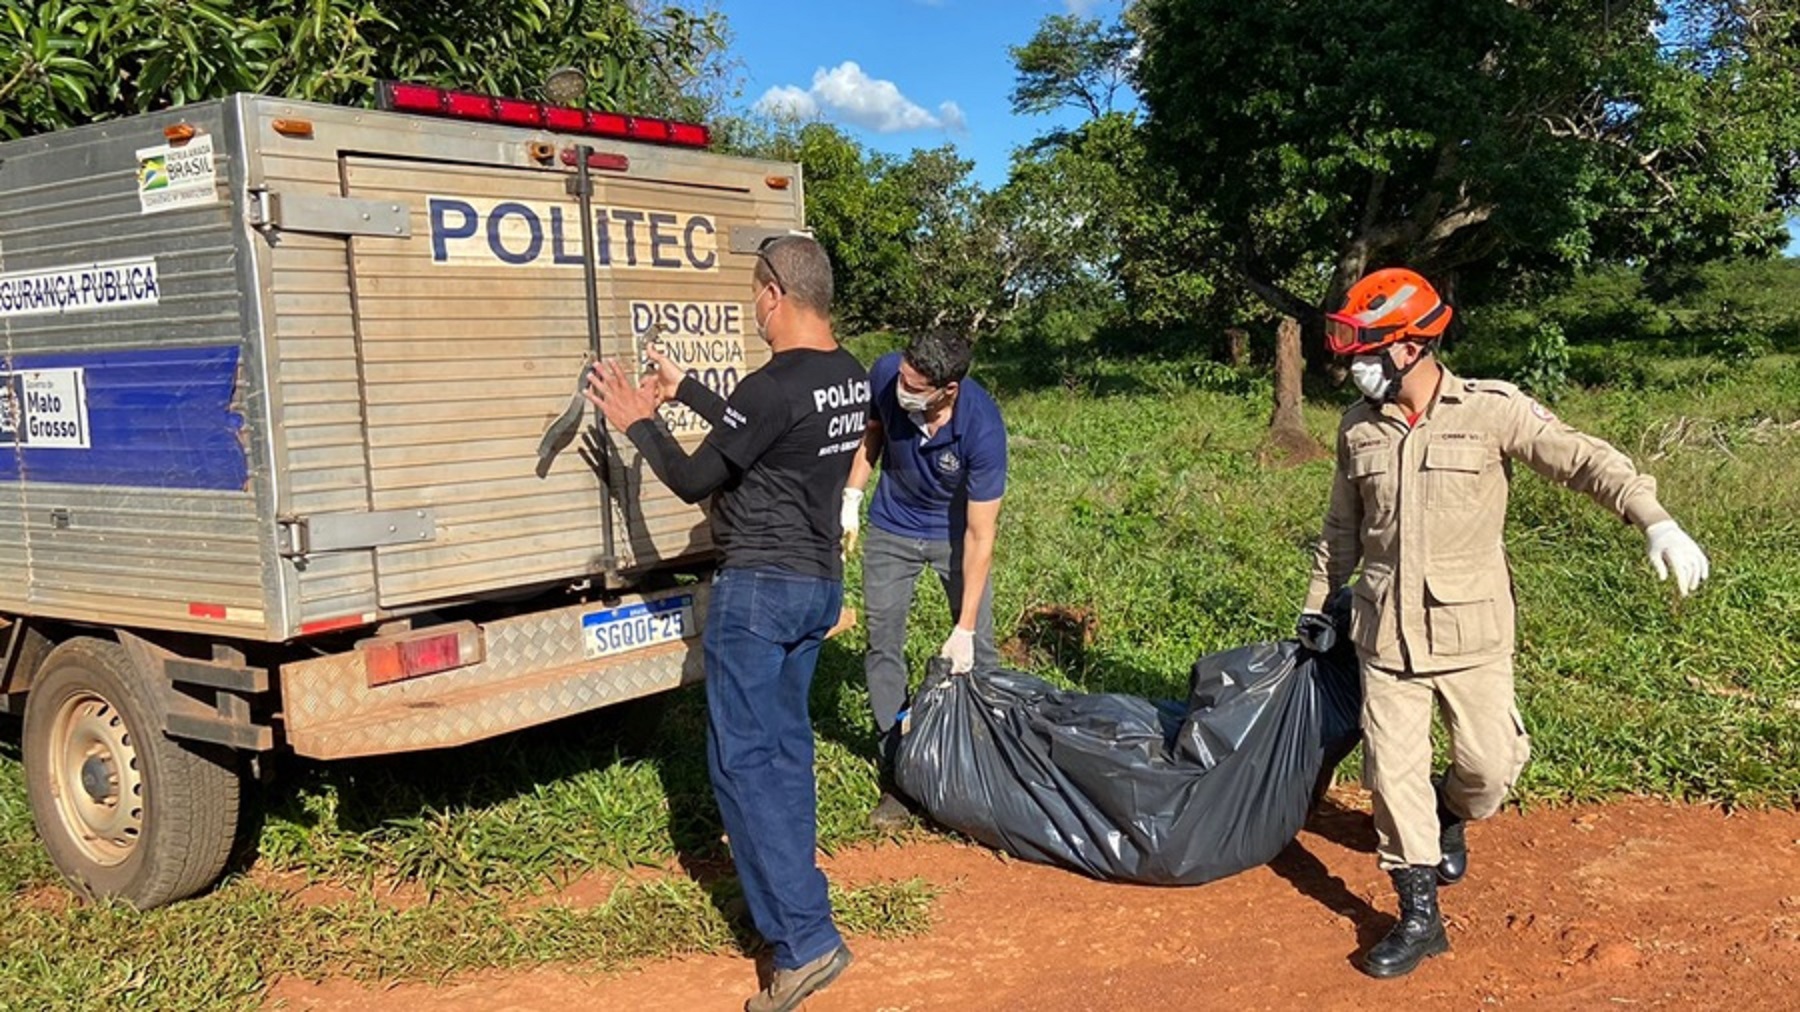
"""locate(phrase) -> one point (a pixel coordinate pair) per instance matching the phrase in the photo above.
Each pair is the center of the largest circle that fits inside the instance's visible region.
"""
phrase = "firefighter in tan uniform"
(1419, 502)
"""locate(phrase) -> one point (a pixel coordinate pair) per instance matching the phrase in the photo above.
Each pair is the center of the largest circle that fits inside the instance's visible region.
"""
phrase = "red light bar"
(398, 96)
(608, 124)
(644, 128)
(689, 135)
(402, 97)
(468, 105)
(563, 119)
(518, 112)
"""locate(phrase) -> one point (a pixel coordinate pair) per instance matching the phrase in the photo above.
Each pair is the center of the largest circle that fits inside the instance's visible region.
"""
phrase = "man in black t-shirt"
(774, 464)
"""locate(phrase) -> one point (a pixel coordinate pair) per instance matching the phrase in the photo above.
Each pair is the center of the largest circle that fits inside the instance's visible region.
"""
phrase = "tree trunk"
(1288, 367)
(1237, 346)
(1288, 442)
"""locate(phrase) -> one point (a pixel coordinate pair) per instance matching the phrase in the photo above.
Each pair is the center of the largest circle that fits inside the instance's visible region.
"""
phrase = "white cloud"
(788, 102)
(1081, 8)
(848, 94)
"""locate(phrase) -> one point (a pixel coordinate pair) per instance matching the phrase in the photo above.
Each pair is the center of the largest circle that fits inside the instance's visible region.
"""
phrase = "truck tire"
(124, 810)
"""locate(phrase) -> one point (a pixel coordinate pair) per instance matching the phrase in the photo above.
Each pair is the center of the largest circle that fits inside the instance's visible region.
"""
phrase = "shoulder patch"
(1542, 413)
(1500, 387)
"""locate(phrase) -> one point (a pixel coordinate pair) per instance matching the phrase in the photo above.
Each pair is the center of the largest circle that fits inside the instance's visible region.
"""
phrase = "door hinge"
(321, 214)
(344, 532)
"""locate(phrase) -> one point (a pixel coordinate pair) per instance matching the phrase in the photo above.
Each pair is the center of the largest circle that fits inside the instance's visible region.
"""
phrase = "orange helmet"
(1384, 308)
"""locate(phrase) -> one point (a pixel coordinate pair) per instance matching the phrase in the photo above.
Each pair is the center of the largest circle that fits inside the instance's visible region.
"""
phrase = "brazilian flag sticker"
(153, 173)
(174, 176)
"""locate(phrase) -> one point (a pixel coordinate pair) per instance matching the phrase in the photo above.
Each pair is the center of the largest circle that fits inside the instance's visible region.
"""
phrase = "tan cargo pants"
(1488, 748)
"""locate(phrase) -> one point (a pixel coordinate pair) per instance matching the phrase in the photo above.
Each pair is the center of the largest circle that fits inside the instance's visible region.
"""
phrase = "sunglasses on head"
(762, 253)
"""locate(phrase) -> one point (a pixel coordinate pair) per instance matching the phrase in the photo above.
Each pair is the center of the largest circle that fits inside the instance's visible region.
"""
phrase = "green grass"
(219, 952)
(1135, 496)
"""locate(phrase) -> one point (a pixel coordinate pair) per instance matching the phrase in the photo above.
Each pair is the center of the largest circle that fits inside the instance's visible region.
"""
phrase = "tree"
(66, 62)
(957, 271)
(1125, 209)
(1073, 61)
(1327, 137)
(1088, 205)
(914, 242)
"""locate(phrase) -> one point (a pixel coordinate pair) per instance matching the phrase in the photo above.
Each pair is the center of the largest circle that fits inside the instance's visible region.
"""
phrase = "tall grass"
(1135, 501)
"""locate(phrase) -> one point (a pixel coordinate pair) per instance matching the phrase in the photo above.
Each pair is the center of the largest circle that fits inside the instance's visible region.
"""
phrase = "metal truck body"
(273, 377)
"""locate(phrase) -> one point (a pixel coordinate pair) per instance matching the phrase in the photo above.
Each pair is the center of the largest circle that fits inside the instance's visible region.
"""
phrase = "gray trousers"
(891, 568)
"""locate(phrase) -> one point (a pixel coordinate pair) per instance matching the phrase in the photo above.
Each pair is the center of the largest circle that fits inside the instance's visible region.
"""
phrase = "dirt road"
(1633, 905)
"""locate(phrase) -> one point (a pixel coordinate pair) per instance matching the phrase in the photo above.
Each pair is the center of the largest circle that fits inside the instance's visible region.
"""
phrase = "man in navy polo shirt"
(942, 448)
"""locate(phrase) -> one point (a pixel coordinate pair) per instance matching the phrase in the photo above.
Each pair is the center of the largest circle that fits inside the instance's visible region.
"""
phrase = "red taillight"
(610, 161)
(427, 652)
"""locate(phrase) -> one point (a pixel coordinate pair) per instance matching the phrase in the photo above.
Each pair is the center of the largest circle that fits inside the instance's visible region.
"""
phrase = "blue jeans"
(762, 637)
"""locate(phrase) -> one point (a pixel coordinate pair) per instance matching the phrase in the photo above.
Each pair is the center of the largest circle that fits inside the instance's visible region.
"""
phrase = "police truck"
(292, 458)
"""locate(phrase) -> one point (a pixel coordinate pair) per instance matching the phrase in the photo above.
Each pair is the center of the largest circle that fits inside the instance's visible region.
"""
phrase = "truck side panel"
(130, 443)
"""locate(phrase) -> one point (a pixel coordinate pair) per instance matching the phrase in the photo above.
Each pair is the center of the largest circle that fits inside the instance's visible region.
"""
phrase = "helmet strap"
(1396, 375)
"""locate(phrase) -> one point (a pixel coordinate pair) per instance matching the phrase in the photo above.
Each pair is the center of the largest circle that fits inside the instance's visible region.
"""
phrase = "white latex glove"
(850, 515)
(1671, 550)
(960, 648)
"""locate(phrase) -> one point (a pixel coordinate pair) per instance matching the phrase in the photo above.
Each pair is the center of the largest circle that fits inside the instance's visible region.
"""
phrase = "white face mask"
(1369, 373)
(915, 403)
(762, 323)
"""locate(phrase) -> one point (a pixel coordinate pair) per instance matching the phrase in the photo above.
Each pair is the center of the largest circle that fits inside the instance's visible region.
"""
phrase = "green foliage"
(1072, 61)
(1546, 366)
(1086, 209)
(915, 242)
(1619, 319)
(1135, 500)
(1327, 137)
(67, 62)
(22, 860)
(856, 218)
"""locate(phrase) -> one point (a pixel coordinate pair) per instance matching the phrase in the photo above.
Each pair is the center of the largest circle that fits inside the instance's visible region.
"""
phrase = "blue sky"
(899, 74)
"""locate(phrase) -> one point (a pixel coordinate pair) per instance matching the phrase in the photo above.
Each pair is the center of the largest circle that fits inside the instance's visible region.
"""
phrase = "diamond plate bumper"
(534, 672)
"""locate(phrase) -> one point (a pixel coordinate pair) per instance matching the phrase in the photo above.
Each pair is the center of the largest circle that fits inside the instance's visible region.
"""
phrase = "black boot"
(1453, 841)
(1420, 933)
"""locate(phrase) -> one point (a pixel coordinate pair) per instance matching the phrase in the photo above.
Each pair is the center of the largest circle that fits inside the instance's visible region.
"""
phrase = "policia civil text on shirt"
(1418, 501)
(941, 444)
(774, 463)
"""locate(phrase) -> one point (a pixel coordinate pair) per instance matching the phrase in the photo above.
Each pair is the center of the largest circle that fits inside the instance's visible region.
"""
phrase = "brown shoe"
(788, 988)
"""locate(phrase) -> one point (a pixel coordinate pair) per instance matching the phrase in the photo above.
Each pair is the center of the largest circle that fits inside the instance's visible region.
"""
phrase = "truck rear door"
(472, 333)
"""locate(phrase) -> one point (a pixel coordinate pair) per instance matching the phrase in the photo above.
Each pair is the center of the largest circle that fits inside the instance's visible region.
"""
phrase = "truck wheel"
(124, 810)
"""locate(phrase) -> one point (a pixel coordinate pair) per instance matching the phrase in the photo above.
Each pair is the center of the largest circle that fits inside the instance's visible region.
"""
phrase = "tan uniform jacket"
(1422, 509)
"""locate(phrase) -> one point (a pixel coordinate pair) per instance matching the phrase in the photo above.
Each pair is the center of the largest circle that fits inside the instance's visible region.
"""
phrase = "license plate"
(636, 626)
